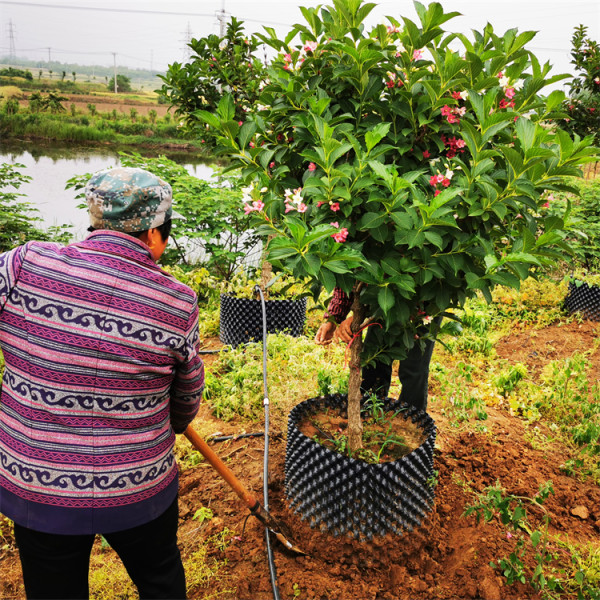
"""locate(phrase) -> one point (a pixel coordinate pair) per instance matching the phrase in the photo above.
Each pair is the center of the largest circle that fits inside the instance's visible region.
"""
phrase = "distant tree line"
(99, 71)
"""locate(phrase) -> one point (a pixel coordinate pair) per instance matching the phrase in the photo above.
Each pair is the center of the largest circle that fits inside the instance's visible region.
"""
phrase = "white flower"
(503, 81)
(464, 94)
(223, 45)
(263, 190)
(449, 174)
(399, 45)
(518, 85)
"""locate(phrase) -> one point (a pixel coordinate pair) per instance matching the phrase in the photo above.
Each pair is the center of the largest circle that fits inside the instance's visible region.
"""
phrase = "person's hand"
(325, 333)
(344, 331)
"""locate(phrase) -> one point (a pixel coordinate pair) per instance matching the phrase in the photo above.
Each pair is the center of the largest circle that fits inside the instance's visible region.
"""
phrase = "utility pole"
(115, 69)
(49, 57)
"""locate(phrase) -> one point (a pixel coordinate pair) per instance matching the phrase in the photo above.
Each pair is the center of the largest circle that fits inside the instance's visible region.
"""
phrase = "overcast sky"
(153, 33)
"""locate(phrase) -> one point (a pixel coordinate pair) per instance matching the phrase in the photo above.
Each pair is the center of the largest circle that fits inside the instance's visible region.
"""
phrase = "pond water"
(51, 167)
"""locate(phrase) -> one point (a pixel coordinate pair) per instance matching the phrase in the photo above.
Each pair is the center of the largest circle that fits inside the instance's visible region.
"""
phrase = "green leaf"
(373, 137)
(385, 298)
(225, 108)
(247, 133)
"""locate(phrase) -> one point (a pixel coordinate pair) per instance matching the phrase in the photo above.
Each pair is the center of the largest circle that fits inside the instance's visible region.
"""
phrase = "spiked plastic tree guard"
(241, 318)
(348, 496)
(584, 299)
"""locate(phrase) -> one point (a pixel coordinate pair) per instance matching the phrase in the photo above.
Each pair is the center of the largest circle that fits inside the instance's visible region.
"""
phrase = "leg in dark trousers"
(56, 567)
(151, 556)
(413, 373)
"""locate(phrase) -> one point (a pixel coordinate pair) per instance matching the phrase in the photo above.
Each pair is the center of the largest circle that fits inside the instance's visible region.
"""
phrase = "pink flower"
(312, 167)
(456, 95)
(251, 144)
(435, 179)
(320, 203)
(340, 236)
(335, 224)
(287, 58)
(271, 165)
(417, 54)
(335, 206)
(302, 207)
(452, 119)
(437, 193)
(508, 535)
(240, 123)
(288, 207)
(509, 92)
(426, 154)
(257, 205)
(546, 205)
(446, 110)
(445, 182)
(310, 46)
(400, 83)
(391, 83)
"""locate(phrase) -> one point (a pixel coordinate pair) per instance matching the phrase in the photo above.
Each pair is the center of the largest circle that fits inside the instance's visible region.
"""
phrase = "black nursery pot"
(584, 299)
(348, 496)
(241, 319)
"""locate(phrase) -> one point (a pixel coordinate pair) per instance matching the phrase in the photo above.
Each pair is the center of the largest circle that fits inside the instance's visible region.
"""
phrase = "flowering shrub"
(394, 166)
(582, 108)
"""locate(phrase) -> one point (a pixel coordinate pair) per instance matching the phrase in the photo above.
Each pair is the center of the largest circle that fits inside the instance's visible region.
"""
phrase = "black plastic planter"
(584, 299)
(241, 319)
(348, 496)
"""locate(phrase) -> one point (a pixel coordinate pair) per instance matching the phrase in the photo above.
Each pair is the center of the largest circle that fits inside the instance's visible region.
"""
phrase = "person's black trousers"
(56, 567)
(413, 373)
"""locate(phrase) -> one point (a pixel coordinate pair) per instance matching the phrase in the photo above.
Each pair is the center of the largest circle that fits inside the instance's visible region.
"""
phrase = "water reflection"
(52, 166)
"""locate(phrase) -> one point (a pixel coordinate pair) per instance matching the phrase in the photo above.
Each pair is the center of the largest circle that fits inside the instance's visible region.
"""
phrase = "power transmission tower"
(12, 53)
(187, 51)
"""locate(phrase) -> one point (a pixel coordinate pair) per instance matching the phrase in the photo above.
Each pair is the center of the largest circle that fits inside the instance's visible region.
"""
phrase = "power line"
(102, 9)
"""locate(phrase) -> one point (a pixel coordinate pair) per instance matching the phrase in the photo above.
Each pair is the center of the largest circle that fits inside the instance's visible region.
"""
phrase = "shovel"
(264, 516)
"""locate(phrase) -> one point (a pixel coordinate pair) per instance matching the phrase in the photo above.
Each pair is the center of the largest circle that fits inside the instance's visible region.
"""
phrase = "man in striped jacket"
(101, 371)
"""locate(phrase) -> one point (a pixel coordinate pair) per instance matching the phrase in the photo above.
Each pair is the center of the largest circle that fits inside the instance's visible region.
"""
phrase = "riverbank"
(131, 120)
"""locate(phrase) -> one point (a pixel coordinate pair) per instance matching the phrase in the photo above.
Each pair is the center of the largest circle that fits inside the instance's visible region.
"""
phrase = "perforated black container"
(351, 497)
(584, 299)
(241, 318)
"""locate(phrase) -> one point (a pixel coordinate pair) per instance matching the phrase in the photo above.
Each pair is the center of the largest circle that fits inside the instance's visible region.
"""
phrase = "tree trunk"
(355, 427)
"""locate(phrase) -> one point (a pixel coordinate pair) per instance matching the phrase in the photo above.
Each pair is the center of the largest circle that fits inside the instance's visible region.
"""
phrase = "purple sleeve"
(339, 305)
(187, 388)
(10, 267)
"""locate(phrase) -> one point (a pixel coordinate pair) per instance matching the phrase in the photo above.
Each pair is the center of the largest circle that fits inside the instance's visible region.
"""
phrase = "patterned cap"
(128, 199)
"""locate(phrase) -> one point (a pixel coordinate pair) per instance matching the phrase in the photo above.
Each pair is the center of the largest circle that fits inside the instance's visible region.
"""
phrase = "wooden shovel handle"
(222, 469)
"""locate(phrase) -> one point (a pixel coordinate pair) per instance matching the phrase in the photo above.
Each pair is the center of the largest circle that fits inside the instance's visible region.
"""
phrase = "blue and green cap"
(128, 199)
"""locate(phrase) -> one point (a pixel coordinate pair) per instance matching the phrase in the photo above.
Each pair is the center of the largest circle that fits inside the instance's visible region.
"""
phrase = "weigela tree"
(582, 108)
(217, 66)
(405, 164)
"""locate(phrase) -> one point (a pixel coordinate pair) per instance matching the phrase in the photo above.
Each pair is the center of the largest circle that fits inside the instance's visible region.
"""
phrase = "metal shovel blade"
(277, 528)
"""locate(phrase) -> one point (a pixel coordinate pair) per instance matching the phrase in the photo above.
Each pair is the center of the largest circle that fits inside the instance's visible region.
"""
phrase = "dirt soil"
(106, 104)
(446, 558)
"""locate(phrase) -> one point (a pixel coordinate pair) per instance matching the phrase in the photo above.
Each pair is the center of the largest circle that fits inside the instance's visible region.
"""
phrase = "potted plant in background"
(406, 172)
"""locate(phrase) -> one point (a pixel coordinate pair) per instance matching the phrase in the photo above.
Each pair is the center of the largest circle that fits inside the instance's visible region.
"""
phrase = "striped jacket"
(102, 369)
